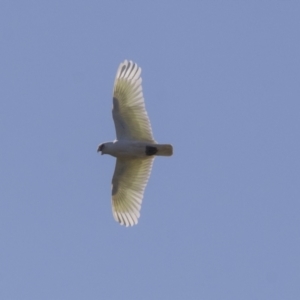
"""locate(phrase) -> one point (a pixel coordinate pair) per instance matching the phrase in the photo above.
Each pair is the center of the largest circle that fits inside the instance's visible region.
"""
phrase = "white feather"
(129, 112)
(128, 185)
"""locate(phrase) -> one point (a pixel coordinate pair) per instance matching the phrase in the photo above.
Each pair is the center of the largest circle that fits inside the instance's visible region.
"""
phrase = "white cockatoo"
(134, 148)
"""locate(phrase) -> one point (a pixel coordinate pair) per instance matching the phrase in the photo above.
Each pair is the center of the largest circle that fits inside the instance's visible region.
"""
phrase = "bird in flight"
(134, 148)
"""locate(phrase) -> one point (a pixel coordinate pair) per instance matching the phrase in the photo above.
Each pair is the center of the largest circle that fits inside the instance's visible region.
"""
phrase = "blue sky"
(220, 218)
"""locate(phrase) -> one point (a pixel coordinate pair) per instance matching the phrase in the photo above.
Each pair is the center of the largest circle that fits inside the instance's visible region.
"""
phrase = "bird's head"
(106, 148)
(100, 148)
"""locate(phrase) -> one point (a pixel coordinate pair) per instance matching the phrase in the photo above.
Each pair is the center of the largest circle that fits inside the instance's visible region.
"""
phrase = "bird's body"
(135, 147)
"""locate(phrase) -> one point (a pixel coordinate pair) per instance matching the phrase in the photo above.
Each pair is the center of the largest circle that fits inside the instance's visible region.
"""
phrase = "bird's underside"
(135, 147)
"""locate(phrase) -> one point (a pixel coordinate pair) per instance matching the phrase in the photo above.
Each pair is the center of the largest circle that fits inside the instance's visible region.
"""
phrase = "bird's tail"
(164, 150)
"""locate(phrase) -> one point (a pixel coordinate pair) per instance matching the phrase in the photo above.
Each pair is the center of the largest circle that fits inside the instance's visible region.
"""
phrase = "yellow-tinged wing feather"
(128, 185)
(129, 112)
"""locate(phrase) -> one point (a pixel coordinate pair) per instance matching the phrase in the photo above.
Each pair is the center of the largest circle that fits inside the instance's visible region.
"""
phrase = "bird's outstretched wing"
(129, 112)
(128, 185)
